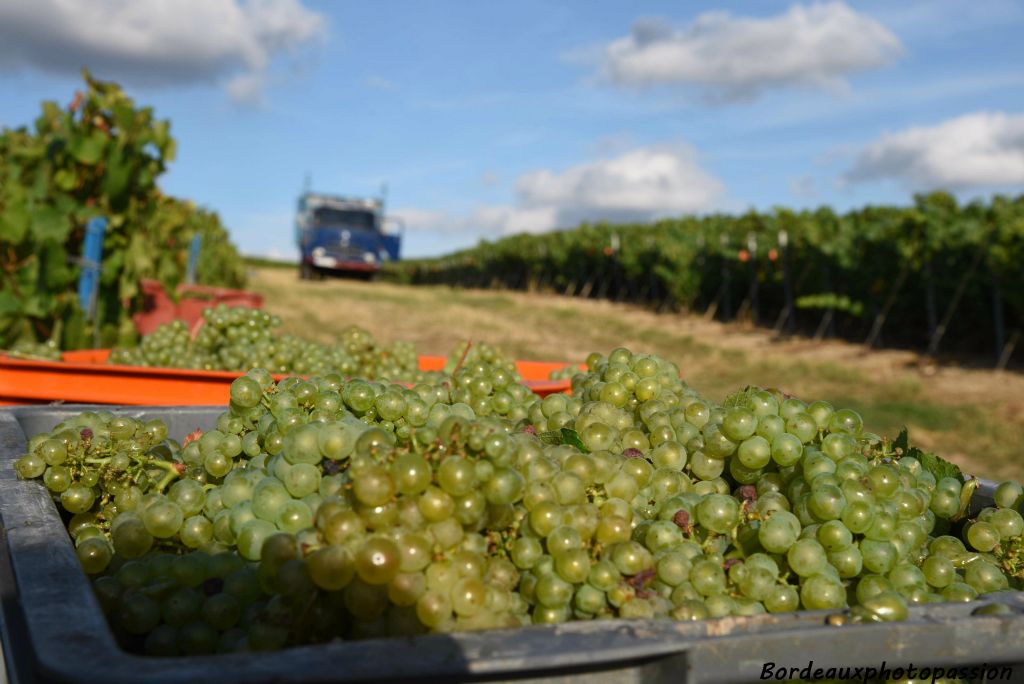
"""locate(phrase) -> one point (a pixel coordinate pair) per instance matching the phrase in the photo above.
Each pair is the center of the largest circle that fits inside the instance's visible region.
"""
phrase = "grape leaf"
(740, 398)
(572, 437)
(88, 147)
(936, 465)
(14, 223)
(563, 436)
(902, 441)
(50, 224)
(9, 304)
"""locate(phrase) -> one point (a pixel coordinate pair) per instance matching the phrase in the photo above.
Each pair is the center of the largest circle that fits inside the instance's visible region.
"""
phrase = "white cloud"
(735, 58)
(804, 187)
(426, 220)
(983, 149)
(639, 185)
(158, 42)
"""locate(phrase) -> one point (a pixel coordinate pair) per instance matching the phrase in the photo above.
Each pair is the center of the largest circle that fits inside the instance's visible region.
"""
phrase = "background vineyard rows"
(99, 156)
(936, 276)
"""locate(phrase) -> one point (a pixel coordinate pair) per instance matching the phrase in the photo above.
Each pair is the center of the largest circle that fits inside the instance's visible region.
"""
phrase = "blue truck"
(343, 236)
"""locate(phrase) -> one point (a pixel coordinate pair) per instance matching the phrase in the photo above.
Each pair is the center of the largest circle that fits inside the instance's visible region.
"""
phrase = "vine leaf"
(50, 224)
(563, 436)
(88, 148)
(936, 465)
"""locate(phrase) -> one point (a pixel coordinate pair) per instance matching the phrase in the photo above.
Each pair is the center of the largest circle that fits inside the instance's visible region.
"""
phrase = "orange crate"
(158, 308)
(85, 377)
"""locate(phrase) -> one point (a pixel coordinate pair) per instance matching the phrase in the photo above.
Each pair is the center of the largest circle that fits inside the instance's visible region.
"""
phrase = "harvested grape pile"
(239, 338)
(43, 351)
(322, 509)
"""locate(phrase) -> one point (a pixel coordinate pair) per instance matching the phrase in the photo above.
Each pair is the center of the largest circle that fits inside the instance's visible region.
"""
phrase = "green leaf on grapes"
(553, 438)
(902, 441)
(572, 437)
(741, 397)
(936, 465)
(563, 436)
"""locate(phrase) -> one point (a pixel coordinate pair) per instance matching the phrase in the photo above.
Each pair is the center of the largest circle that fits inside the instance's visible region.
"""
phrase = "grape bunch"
(240, 338)
(564, 373)
(42, 351)
(326, 508)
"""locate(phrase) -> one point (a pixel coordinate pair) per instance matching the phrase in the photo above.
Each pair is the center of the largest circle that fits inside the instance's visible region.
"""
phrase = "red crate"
(86, 377)
(159, 308)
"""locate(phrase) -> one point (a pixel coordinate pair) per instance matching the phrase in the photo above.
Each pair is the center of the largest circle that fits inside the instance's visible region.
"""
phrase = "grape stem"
(172, 473)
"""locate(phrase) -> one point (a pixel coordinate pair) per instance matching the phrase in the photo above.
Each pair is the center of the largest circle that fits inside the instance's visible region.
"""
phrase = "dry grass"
(973, 417)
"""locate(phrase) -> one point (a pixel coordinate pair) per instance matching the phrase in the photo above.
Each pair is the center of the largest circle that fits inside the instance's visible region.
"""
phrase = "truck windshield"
(346, 218)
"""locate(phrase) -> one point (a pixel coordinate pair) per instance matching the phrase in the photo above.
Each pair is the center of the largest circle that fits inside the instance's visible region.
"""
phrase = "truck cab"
(342, 235)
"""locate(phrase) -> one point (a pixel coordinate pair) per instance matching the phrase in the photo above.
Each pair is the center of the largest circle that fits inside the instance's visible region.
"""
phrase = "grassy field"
(973, 417)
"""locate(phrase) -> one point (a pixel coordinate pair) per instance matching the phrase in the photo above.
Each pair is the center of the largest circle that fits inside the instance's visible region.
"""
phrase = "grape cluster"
(43, 351)
(240, 338)
(564, 373)
(326, 508)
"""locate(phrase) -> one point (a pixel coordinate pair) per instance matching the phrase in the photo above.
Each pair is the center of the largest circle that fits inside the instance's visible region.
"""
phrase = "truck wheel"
(306, 271)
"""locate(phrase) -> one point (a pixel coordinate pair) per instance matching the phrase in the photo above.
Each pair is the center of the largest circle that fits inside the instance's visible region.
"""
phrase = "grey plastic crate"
(54, 629)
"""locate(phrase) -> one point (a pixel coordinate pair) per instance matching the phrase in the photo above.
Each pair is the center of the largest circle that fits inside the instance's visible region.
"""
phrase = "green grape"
(1009, 495)
(572, 565)
(739, 424)
(826, 502)
(1007, 522)
(377, 562)
(938, 571)
(782, 599)
(802, 426)
(982, 536)
(196, 532)
(958, 591)
(77, 499)
(984, 577)
(708, 578)
(373, 486)
(846, 420)
(57, 479)
(30, 466)
(885, 606)
(331, 567)
(779, 532)
(847, 561)
(821, 592)
(834, 535)
(188, 495)
(879, 556)
(754, 452)
(718, 513)
(251, 536)
(162, 640)
(138, 613)
(787, 449)
(294, 516)
(302, 479)
(163, 518)
(94, 554)
(182, 606)
(553, 592)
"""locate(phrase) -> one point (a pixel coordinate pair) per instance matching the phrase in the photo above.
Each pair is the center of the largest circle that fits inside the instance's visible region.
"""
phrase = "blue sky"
(486, 119)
